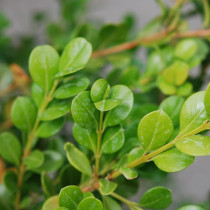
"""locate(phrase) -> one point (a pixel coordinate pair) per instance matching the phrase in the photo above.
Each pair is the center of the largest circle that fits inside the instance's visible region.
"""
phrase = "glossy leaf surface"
(128, 173)
(51, 203)
(90, 204)
(107, 104)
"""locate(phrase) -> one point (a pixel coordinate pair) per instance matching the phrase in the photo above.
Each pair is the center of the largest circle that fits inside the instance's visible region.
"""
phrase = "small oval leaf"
(107, 104)
(90, 204)
(128, 173)
(51, 203)
(34, 160)
(106, 186)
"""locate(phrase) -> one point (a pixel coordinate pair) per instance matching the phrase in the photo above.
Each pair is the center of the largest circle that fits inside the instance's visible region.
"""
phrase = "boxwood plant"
(109, 150)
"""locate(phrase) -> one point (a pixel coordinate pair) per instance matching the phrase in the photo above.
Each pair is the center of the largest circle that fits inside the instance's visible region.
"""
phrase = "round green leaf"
(34, 160)
(156, 198)
(119, 113)
(207, 101)
(154, 130)
(43, 66)
(55, 110)
(193, 113)
(23, 113)
(10, 148)
(173, 160)
(72, 88)
(85, 137)
(113, 139)
(78, 159)
(172, 107)
(107, 104)
(74, 57)
(106, 186)
(186, 49)
(10, 181)
(51, 203)
(100, 90)
(165, 87)
(70, 197)
(194, 145)
(110, 204)
(52, 161)
(50, 128)
(90, 204)
(128, 173)
(191, 207)
(84, 112)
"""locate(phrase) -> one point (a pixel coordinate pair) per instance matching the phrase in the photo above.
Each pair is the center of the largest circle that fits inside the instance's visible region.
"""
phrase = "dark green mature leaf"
(154, 130)
(85, 137)
(128, 173)
(193, 113)
(196, 145)
(34, 160)
(106, 186)
(52, 161)
(110, 204)
(10, 148)
(70, 197)
(100, 90)
(47, 184)
(23, 113)
(10, 181)
(186, 49)
(74, 57)
(207, 101)
(72, 88)
(172, 107)
(191, 207)
(113, 139)
(37, 94)
(51, 203)
(156, 198)
(90, 204)
(107, 104)
(55, 110)
(43, 66)
(78, 159)
(84, 112)
(119, 113)
(50, 128)
(173, 160)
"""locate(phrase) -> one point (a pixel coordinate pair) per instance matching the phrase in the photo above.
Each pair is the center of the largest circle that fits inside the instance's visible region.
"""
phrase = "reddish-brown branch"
(150, 40)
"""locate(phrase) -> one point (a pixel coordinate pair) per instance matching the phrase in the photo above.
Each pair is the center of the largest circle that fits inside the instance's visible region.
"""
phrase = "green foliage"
(106, 187)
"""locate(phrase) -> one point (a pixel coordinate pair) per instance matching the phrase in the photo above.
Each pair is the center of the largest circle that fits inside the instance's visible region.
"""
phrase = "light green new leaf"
(165, 87)
(107, 104)
(172, 107)
(78, 159)
(10, 148)
(72, 88)
(88, 195)
(10, 181)
(191, 207)
(55, 110)
(119, 113)
(84, 112)
(154, 130)
(50, 128)
(90, 204)
(177, 73)
(186, 49)
(185, 89)
(193, 113)
(173, 160)
(128, 173)
(62, 208)
(37, 94)
(52, 161)
(74, 57)
(110, 204)
(43, 66)
(23, 113)
(85, 137)
(100, 90)
(51, 203)
(156, 198)
(207, 101)
(34, 160)
(113, 139)
(70, 197)
(135, 154)
(197, 145)
(106, 186)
